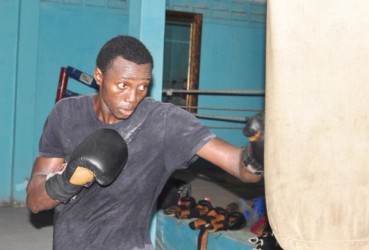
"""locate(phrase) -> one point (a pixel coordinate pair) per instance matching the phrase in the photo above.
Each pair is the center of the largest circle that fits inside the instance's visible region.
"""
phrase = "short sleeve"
(184, 137)
(49, 144)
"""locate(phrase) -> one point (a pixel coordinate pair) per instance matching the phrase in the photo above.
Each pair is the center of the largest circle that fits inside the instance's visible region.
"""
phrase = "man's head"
(123, 73)
(127, 47)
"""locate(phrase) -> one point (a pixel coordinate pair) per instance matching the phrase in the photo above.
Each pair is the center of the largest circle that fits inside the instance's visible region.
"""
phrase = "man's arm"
(228, 157)
(89, 162)
(37, 197)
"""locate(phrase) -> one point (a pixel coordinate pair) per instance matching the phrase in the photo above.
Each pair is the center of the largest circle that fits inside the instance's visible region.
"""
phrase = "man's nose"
(131, 96)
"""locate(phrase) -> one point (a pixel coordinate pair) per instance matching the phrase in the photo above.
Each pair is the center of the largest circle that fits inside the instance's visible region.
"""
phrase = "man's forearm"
(37, 198)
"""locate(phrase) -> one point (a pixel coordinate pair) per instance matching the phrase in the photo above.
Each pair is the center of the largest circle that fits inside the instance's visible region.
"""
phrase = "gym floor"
(19, 229)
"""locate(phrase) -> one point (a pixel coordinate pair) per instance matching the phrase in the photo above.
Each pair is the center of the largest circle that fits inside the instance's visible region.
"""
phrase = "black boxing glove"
(254, 128)
(101, 157)
(253, 153)
(250, 160)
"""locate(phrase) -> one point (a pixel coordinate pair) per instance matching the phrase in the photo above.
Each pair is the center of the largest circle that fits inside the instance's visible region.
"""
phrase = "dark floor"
(19, 229)
(219, 186)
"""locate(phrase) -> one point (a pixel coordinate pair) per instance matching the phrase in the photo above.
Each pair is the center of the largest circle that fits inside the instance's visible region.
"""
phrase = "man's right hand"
(101, 157)
(253, 153)
(254, 128)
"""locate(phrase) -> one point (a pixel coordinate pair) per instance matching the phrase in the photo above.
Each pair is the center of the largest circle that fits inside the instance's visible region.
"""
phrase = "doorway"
(182, 46)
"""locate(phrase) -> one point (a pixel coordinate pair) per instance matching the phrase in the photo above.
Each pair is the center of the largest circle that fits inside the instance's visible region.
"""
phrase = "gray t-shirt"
(161, 138)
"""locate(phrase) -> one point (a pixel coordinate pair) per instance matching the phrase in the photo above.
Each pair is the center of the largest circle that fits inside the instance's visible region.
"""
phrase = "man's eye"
(122, 85)
(142, 87)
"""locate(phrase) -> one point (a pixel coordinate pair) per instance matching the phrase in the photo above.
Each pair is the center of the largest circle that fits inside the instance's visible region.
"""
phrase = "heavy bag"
(317, 124)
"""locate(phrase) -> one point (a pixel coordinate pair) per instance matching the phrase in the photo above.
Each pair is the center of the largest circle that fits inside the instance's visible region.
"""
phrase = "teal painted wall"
(41, 36)
(38, 37)
(232, 58)
(71, 35)
(25, 98)
(9, 15)
(146, 22)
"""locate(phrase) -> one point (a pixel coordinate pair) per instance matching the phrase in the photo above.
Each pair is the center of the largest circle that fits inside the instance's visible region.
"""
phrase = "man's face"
(123, 86)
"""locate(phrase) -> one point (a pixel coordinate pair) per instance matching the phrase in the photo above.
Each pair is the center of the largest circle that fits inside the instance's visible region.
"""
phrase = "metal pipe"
(170, 92)
(215, 108)
(62, 84)
(222, 117)
(223, 127)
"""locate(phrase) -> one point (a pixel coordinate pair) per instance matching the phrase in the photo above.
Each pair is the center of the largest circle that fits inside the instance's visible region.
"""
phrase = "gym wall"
(42, 36)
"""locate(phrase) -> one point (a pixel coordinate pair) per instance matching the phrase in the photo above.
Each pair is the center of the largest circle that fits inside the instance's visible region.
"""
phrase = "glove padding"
(101, 157)
(254, 128)
(253, 153)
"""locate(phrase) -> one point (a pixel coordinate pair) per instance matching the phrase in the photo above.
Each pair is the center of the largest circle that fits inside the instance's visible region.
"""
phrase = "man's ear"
(98, 75)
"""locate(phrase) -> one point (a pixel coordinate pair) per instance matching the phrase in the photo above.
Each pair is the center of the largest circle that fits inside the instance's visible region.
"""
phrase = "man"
(160, 138)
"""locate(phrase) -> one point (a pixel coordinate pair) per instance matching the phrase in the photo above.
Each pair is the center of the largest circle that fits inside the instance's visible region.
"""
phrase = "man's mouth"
(126, 112)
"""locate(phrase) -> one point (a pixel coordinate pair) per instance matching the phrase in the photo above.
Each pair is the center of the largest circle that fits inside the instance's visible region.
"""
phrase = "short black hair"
(128, 47)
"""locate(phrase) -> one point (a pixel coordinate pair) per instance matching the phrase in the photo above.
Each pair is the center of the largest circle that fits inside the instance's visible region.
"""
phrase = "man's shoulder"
(155, 105)
(151, 105)
(74, 101)
(149, 101)
(72, 106)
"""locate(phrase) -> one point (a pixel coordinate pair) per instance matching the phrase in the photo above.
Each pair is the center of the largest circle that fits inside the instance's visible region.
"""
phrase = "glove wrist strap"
(58, 188)
(251, 165)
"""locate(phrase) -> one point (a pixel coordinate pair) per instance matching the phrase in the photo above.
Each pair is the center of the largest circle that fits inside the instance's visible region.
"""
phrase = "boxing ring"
(233, 119)
(88, 80)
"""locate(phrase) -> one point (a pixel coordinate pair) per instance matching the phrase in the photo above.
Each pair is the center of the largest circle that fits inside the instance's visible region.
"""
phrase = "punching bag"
(317, 123)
